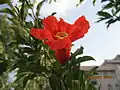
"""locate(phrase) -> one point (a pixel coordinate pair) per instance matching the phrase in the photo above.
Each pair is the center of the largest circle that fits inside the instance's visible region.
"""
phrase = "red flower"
(59, 35)
(63, 55)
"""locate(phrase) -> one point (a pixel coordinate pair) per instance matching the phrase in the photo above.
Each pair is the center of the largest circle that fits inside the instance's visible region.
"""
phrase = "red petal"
(80, 27)
(41, 34)
(51, 24)
(64, 26)
(60, 44)
(62, 55)
(83, 23)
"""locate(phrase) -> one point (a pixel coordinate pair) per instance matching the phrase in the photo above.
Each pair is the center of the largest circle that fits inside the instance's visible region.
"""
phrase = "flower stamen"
(61, 35)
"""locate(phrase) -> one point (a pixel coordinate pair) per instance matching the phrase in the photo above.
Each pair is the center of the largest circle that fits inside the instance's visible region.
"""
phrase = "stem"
(49, 57)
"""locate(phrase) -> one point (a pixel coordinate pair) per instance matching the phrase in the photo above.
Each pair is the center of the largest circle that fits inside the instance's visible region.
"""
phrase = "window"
(117, 87)
(94, 82)
(99, 74)
(110, 87)
(99, 87)
(111, 73)
(105, 73)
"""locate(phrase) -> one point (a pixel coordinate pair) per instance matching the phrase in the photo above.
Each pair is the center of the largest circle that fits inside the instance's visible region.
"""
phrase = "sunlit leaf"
(8, 11)
(39, 7)
(94, 1)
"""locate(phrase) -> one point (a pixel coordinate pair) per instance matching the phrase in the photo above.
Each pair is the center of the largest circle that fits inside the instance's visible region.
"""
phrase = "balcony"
(101, 77)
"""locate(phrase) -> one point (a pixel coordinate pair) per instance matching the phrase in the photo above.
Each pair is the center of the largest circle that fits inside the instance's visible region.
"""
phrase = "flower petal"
(83, 23)
(80, 27)
(62, 55)
(41, 34)
(64, 26)
(60, 44)
(51, 24)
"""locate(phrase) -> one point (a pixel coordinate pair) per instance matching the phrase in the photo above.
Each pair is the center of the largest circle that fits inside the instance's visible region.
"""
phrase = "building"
(108, 77)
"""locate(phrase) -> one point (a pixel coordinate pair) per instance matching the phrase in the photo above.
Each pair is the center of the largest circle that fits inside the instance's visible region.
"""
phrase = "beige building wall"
(108, 77)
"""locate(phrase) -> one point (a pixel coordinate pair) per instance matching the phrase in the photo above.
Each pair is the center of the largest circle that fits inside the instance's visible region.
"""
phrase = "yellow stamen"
(61, 35)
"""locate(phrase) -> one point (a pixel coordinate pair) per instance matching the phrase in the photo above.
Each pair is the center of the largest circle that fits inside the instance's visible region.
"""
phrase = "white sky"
(99, 42)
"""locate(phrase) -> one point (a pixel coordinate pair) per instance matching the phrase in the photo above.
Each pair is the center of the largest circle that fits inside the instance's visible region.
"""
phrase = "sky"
(100, 42)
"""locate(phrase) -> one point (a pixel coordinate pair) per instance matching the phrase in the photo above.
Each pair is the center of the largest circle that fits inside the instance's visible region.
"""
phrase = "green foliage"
(104, 14)
(34, 63)
(80, 1)
(38, 8)
(94, 2)
(110, 12)
(3, 1)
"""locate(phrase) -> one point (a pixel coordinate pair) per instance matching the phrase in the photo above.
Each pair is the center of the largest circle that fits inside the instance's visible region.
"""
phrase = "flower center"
(61, 35)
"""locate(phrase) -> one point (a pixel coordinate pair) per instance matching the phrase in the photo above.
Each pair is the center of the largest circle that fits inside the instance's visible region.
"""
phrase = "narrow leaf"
(101, 19)
(8, 11)
(80, 1)
(104, 14)
(109, 22)
(104, 0)
(84, 58)
(108, 6)
(39, 7)
(3, 1)
(94, 2)
(77, 52)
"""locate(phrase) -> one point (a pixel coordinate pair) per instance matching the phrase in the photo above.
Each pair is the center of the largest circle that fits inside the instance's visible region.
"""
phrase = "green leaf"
(101, 19)
(94, 2)
(109, 22)
(29, 77)
(3, 66)
(57, 65)
(105, 0)
(93, 71)
(29, 24)
(80, 1)
(104, 14)
(37, 68)
(17, 9)
(3, 1)
(53, 13)
(39, 7)
(27, 50)
(76, 85)
(117, 11)
(69, 77)
(8, 11)
(76, 72)
(50, 1)
(77, 52)
(22, 11)
(83, 59)
(21, 76)
(108, 6)
(12, 43)
(55, 82)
